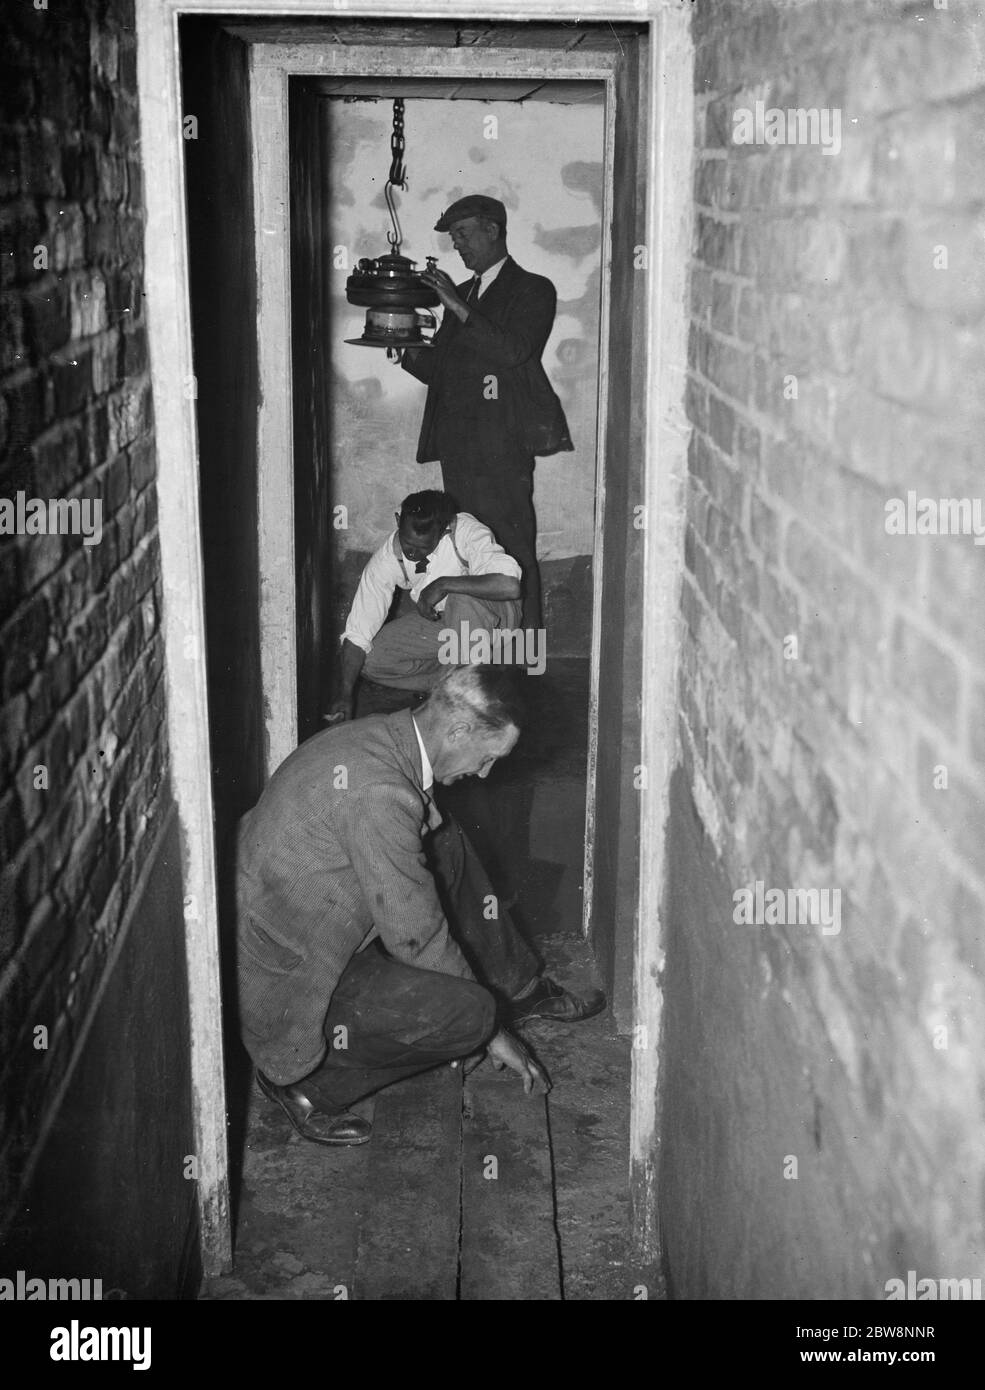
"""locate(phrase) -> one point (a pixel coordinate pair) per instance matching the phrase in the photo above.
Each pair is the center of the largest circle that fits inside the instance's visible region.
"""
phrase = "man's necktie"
(421, 567)
(434, 817)
(474, 288)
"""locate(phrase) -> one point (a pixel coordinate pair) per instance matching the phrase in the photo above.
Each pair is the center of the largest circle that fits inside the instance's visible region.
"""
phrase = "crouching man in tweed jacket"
(364, 950)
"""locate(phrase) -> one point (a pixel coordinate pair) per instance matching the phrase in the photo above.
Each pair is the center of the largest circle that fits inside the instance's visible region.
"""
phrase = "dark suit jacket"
(503, 337)
(331, 855)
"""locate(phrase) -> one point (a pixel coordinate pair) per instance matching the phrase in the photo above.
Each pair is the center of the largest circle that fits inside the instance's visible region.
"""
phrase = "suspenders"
(454, 546)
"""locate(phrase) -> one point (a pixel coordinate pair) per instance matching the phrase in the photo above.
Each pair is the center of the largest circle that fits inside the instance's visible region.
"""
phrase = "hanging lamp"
(390, 288)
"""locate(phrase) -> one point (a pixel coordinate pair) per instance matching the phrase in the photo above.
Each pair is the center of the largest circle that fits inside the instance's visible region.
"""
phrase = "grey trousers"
(407, 652)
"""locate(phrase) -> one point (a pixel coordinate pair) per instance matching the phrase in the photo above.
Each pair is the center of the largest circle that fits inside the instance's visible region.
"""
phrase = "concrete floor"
(470, 1190)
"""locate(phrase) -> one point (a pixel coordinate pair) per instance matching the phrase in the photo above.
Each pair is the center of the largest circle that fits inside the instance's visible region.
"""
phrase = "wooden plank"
(509, 1244)
(409, 1225)
(466, 64)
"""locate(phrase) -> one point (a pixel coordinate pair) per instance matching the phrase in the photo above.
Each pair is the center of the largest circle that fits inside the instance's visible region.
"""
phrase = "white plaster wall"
(545, 164)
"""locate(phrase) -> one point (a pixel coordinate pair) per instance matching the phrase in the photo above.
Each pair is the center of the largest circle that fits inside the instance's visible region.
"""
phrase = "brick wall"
(835, 363)
(80, 643)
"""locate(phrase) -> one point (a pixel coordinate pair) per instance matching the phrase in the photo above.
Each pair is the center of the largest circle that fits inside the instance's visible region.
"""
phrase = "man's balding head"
(472, 717)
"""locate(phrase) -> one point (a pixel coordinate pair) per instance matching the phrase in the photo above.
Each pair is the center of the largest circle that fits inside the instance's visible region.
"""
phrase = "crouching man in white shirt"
(466, 591)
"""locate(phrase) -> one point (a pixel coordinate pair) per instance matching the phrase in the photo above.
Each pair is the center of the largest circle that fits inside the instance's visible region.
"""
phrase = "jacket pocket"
(258, 941)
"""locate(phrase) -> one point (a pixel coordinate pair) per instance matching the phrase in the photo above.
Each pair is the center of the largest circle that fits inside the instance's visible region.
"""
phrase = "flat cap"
(473, 205)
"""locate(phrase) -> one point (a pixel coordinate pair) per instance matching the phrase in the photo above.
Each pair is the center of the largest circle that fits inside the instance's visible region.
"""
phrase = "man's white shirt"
(384, 573)
(427, 779)
(487, 277)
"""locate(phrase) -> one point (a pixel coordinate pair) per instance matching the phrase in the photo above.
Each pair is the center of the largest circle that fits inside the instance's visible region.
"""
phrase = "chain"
(398, 174)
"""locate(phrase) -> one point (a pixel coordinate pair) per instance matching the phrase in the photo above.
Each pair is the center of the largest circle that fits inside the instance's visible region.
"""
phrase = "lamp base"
(385, 343)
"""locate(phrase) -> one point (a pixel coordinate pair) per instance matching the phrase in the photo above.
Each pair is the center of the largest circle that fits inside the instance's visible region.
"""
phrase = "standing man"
(490, 408)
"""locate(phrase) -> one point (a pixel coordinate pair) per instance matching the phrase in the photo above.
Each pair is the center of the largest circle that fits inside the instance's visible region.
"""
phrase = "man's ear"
(459, 731)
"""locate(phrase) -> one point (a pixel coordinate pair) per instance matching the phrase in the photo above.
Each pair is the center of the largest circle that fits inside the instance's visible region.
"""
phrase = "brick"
(959, 813)
(71, 377)
(80, 170)
(715, 242)
(48, 316)
(42, 556)
(724, 484)
(56, 459)
(959, 289)
(723, 302)
(125, 124)
(12, 335)
(730, 369)
(898, 65)
(87, 296)
(128, 66)
(721, 423)
(764, 528)
(133, 352)
(700, 293)
(101, 250)
(112, 179)
(135, 184)
(709, 180)
(914, 161)
(20, 231)
(23, 642)
(926, 674)
(104, 55)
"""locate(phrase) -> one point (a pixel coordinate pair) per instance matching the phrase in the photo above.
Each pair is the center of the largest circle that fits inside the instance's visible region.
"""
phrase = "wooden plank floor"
(472, 1194)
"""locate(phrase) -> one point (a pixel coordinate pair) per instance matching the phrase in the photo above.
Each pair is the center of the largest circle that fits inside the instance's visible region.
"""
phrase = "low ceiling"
(442, 89)
(599, 38)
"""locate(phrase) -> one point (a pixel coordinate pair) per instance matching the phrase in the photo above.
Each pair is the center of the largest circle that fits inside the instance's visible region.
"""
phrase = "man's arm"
(418, 362)
(525, 333)
(493, 586)
(493, 574)
(353, 658)
(366, 617)
(380, 827)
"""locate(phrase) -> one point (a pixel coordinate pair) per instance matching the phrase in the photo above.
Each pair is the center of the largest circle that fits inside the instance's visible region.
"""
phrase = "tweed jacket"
(330, 856)
(503, 338)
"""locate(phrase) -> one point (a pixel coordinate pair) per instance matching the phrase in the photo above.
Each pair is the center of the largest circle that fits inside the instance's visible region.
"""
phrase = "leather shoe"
(338, 1129)
(549, 1000)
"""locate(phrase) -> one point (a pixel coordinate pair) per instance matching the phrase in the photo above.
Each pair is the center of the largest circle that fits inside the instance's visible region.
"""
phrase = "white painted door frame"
(272, 66)
(169, 329)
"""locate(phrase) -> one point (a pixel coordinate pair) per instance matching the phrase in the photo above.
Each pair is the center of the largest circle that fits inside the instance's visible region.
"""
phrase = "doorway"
(541, 146)
(259, 53)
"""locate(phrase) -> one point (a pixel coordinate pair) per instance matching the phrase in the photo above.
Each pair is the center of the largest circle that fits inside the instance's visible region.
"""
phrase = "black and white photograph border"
(729, 793)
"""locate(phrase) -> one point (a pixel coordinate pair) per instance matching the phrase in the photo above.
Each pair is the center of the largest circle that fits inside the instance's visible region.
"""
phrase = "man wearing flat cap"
(490, 408)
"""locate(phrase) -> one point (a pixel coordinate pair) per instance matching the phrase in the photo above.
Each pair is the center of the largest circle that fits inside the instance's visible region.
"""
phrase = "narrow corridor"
(471, 1190)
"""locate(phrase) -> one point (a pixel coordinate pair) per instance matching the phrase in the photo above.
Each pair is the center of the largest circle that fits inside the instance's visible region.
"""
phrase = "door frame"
(167, 287)
(272, 67)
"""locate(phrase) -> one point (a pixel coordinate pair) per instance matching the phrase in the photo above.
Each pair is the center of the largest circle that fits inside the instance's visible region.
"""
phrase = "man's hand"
(444, 287)
(430, 595)
(339, 711)
(506, 1051)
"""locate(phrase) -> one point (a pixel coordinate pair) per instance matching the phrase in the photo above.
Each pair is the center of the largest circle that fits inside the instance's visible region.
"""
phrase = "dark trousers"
(495, 482)
(387, 1020)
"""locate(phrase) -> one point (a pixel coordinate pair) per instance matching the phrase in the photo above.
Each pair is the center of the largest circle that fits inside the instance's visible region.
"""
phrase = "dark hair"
(427, 511)
(489, 695)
